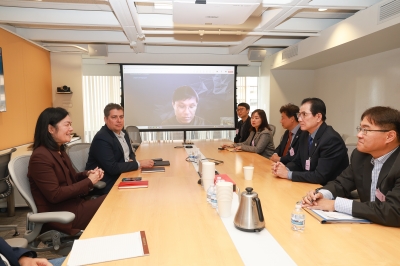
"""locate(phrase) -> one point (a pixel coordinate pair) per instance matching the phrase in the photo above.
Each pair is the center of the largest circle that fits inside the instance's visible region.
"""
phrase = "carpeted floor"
(20, 220)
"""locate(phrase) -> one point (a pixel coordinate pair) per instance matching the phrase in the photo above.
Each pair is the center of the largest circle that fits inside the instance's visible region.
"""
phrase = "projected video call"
(179, 97)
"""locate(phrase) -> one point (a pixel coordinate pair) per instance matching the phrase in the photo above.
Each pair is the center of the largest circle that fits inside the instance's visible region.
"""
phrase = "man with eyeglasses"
(289, 144)
(322, 154)
(243, 126)
(374, 172)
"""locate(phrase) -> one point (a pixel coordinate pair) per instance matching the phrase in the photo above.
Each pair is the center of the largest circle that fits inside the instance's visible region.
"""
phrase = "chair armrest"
(99, 185)
(47, 217)
(17, 242)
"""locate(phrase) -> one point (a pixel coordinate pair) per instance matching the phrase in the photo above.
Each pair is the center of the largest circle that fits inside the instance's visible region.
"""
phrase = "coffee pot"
(249, 216)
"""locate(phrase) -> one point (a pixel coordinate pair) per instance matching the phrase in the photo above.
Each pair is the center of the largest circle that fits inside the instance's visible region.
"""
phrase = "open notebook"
(326, 217)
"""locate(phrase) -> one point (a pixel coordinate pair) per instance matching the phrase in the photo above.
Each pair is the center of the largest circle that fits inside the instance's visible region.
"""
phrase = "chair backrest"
(351, 144)
(273, 128)
(18, 168)
(352, 140)
(134, 134)
(5, 158)
(78, 153)
(350, 149)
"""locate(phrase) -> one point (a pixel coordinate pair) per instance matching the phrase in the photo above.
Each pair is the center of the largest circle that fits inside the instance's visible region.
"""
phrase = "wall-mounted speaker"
(98, 50)
(256, 54)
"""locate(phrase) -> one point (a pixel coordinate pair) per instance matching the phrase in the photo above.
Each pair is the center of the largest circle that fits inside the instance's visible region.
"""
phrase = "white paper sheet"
(107, 248)
(335, 215)
(258, 248)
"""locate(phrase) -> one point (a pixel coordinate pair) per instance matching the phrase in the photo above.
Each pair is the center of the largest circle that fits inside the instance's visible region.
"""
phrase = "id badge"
(237, 131)
(291, 151)
(308, 165)
(379, 195)
(252, 143)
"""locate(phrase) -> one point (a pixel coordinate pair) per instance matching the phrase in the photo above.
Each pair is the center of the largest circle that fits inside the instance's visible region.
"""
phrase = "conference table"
(183, 229)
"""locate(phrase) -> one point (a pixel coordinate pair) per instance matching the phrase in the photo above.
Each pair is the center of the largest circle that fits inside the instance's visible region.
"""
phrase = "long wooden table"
(183, 229)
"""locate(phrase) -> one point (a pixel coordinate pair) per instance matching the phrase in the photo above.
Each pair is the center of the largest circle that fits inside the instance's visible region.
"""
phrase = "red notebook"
(226, 178)
(133, 184)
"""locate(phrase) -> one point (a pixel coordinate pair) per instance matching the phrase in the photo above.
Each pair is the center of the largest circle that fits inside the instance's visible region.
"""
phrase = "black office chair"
(134, 136)
(6, 188)
(79, 153)
(273, 128)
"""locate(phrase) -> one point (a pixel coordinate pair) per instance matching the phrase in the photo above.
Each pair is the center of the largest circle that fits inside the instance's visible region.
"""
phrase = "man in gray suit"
(374, 172)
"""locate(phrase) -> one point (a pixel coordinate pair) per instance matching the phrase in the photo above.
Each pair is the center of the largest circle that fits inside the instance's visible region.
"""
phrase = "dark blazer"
(244, 133)
(55, 186)
(295, 145)
(328, 157)
(358, 176)
(106, 153)
(13, 254)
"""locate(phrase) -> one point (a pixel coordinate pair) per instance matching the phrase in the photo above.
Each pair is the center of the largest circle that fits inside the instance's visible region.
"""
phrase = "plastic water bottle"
(298, 218)
(209, 193)
(191, 156)
(214, 197)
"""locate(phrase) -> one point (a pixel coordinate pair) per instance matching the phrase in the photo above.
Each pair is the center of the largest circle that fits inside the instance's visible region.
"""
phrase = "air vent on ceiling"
(389, 10)
(290, 52)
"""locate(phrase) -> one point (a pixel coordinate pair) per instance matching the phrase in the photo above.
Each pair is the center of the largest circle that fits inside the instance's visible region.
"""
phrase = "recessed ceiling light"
(322, 9)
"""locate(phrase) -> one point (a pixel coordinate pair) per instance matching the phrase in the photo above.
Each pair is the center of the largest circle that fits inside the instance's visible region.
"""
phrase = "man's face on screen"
(115, 121)
(185, 110)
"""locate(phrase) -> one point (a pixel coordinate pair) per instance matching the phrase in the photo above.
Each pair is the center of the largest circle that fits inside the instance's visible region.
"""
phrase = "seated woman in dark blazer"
(54, 183)
(260, 139)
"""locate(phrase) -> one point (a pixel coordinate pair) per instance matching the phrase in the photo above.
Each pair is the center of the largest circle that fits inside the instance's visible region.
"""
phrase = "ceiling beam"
(270, 19)
(99, 6)
(121, 11)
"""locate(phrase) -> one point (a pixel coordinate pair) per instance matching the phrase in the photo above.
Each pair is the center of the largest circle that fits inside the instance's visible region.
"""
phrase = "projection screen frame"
(212, 128)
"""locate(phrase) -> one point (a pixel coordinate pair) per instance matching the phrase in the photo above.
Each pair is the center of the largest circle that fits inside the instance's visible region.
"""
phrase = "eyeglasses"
(365, 131)
(302, 114)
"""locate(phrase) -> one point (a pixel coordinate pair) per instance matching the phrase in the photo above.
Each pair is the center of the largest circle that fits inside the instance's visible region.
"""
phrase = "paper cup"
(224, 188)
(224, 208)
(248, 172)
(208, 174)
(224, 191)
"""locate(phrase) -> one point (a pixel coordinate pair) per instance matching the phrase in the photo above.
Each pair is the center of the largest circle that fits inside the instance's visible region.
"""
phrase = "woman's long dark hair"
(264, 121)
(50, 116)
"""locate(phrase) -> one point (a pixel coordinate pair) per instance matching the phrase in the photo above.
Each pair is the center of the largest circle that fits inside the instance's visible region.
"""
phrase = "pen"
(312, 200)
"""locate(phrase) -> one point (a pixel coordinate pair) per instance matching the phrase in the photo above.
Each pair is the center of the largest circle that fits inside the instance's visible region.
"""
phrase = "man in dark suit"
(374, 172)
(322, 154)
(243, 126)
(289, 144)
(111, 148)
(24, 257)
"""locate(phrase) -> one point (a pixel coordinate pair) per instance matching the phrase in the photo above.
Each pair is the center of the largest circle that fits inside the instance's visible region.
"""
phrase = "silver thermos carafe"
(249, 216)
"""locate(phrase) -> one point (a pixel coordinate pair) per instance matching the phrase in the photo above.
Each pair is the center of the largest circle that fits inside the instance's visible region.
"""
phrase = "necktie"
(310, 141)
(287, 144)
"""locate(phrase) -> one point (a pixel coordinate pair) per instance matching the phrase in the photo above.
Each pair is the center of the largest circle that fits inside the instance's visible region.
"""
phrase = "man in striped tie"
(289, 144)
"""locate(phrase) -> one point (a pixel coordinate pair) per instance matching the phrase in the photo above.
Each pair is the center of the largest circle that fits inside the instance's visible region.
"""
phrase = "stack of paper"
(108, 248)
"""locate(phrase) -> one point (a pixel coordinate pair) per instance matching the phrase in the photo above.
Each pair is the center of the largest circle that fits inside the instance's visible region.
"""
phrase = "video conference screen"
(179, 97)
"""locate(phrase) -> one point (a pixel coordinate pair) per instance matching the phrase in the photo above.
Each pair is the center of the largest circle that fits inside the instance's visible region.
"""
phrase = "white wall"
(98, 67)
(349, 88)
(66, 69)
(279, 87)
